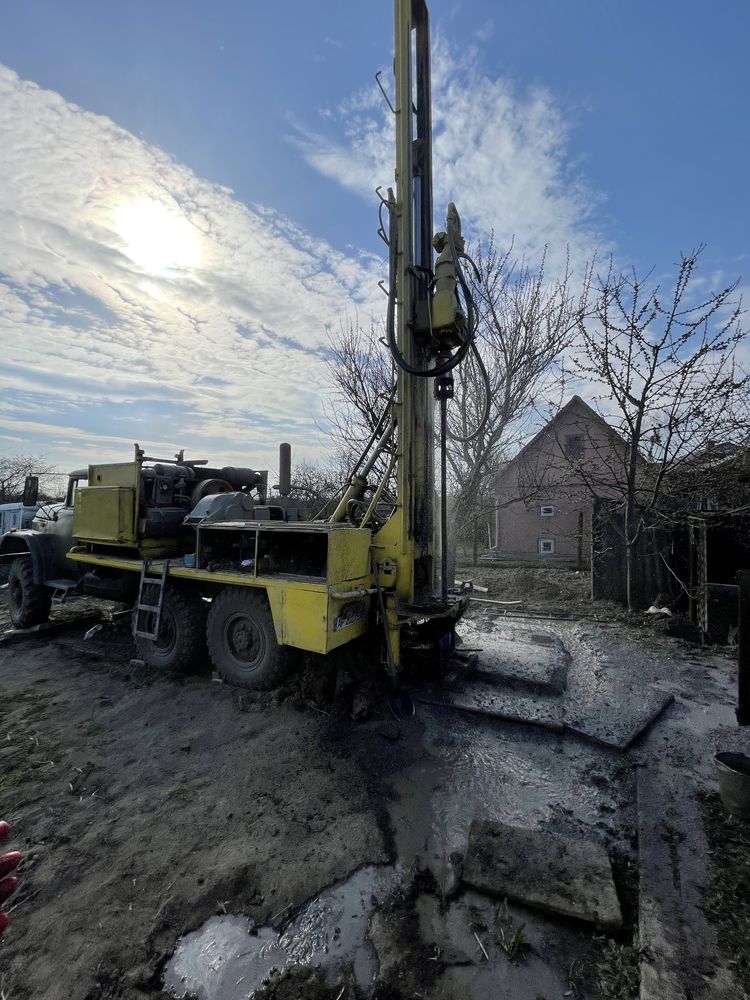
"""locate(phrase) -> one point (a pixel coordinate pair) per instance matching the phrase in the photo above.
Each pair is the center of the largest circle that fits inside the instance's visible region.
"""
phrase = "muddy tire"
(242, 640)
(181, 643)
(28, 602)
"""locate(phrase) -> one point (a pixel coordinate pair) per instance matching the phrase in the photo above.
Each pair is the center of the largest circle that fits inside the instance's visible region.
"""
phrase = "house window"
(546, 546)
(547, 510)
(574, 446)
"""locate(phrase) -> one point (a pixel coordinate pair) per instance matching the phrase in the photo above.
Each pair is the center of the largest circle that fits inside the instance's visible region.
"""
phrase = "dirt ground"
(146, 804)
(541, 590)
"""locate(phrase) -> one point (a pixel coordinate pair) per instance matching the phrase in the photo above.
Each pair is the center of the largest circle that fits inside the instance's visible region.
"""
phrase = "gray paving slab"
(530, 659)
(619, 718)
(480, 698)
(591, 682)
(542, 870)
(611, 695)
(680, 955)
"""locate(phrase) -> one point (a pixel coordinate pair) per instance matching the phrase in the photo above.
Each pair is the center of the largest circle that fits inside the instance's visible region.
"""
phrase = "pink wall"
(543, 476)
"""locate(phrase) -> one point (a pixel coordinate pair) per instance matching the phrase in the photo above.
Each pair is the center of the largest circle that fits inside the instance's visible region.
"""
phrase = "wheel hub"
(243, 639)
(167, 636)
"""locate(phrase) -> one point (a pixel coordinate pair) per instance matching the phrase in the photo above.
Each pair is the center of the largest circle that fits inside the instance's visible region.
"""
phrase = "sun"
(158, 238)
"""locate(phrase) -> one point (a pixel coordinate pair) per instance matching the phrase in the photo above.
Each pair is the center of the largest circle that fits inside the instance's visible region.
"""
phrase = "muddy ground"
(147, 804)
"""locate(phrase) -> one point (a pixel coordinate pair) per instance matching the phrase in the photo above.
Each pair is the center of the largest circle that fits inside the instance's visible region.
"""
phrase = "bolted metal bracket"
(444, 387)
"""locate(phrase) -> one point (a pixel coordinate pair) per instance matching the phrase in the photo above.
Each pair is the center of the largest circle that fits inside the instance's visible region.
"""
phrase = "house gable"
(544, 495)
(577, 449)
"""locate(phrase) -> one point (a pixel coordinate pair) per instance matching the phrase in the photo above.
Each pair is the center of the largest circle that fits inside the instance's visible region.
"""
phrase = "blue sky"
(185, 190)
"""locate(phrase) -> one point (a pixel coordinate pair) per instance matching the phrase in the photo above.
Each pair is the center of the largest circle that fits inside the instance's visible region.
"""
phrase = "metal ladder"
(145, 607)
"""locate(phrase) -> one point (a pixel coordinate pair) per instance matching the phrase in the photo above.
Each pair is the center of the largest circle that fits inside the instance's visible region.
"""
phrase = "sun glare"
(157, 238)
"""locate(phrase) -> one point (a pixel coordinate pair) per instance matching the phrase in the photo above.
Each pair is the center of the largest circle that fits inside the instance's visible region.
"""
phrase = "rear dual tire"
(242, 640)
(237, 634)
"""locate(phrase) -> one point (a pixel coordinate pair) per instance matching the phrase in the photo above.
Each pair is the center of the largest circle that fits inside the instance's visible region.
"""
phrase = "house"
(545, 494)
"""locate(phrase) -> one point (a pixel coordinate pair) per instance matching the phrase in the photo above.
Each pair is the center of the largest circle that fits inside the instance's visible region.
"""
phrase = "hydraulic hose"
(471, 313)
(487, 402)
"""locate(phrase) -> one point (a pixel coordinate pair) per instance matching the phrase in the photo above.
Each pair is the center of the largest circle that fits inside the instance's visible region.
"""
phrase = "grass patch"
(613, 973)
(16, 776)
(509, 935)
(618, 973)
(26, 760)
(727, 903)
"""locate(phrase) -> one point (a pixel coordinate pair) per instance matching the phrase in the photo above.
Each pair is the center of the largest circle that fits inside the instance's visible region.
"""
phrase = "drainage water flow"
(228, 958)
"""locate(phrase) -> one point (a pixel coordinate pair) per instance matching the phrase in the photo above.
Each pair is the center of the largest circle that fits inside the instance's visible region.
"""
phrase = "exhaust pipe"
(285, 469)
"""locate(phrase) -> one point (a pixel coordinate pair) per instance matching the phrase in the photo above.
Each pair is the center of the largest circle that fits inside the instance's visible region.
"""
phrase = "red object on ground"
(8, 863)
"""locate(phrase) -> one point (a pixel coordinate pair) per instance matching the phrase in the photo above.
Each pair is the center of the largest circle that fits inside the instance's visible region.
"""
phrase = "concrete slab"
(480, 698)
(611, 697)
(618, 718)
(551, 873)
(680, 955)
(589, 682)
(533, 660)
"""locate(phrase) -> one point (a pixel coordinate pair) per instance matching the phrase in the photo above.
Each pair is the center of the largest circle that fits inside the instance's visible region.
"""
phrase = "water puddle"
(228, 958)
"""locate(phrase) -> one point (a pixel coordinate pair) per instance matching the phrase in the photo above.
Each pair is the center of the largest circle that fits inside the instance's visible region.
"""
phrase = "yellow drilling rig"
(211, 566)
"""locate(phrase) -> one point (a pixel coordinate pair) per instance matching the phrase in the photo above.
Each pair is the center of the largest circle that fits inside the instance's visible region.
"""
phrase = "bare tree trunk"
(580, 540)
(475, 542)
(628, 557)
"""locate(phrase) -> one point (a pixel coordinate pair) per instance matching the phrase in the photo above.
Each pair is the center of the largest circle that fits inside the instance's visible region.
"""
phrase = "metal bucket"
(734, 782)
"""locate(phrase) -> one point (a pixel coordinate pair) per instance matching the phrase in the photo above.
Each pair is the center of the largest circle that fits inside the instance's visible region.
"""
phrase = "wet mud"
(184, 839)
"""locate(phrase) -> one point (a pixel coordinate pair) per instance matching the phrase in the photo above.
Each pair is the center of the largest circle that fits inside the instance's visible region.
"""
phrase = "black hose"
(471, 313)
(477, 275)
(487, 402)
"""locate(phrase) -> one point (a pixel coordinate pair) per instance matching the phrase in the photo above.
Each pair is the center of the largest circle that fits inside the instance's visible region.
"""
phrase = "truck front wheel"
(28, 602)
(181, 641)
(242, 639)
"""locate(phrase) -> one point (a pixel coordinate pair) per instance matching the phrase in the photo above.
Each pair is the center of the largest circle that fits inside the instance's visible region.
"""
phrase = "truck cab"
(55, 522)
(36, 555)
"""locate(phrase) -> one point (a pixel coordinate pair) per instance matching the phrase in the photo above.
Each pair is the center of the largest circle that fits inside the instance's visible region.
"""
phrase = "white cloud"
(99, 321)
(485, 31)
(209, 330)
(502, 154)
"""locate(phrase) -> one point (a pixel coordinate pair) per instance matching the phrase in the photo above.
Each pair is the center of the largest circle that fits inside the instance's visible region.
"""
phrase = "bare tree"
(362, 377)
(671, 387)
(316, 486)
(526, 322)
(15, 468)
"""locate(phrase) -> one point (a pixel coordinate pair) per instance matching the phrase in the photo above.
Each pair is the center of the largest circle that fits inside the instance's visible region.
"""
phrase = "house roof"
(573, 402)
